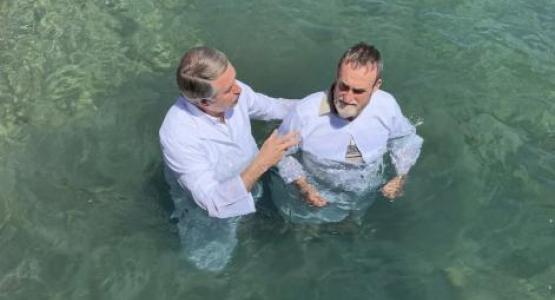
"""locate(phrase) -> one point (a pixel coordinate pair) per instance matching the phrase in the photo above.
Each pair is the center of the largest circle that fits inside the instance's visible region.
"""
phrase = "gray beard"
(345, 111)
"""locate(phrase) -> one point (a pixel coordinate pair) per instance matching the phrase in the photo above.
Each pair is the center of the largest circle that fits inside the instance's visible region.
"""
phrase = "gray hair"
(198, 67)
(362, 54)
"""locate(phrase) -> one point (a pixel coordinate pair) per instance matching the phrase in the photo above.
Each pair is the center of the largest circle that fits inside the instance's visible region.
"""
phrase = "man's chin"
(347, 112)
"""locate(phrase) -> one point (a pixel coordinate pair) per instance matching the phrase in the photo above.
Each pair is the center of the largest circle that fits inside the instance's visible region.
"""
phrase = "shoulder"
(385, 102)
(310, 104)
(179, 125)
(384, 98)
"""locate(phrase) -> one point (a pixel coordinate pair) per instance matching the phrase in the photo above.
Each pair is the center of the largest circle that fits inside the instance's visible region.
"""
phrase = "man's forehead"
(226, 79)
(357, 76)
(365, 69)
(233, 72)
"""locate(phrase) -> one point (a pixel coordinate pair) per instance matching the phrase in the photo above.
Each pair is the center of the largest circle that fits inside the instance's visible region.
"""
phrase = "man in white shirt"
(345, 133)
(212, 160)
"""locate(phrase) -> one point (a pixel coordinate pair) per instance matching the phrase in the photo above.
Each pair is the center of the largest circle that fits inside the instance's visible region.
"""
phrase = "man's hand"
(274, 148)
(270, 154)
(309, 193)
(394, 188)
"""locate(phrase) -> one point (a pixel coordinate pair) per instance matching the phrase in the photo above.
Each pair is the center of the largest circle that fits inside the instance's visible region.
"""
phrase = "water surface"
(84, 210)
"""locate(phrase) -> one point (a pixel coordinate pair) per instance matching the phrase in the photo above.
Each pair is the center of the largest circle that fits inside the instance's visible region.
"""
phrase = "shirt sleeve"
(221, 199)
(403, 143)
(262, 107)
(289, 167)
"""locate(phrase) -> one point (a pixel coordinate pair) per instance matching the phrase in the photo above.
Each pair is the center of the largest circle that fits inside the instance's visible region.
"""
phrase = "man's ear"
(378, 84)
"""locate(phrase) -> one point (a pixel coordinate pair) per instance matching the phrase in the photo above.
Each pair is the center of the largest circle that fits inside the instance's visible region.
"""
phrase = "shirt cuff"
(290, 169)
(232, 199)
(405, 152)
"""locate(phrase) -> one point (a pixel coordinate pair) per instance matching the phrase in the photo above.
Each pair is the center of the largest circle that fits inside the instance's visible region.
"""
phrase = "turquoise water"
(84, 210)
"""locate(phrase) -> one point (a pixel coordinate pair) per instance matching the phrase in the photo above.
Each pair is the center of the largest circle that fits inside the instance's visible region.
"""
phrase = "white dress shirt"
(325, 140)
(207, 156)
(204, 158)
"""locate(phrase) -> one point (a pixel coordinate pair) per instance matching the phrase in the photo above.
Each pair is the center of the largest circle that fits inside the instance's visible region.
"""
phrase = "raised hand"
(270, 154)
(275, 147)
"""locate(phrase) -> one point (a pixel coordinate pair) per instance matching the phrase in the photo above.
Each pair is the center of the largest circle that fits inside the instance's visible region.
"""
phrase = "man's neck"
(219, 115)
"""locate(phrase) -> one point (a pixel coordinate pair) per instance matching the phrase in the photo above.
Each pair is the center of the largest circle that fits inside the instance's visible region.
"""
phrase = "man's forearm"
(302, 185)
(309, 192)
(252, 173)
(270, 153)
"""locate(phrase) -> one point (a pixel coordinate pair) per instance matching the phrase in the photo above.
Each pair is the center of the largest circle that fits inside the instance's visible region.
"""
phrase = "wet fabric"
(346, 179)
(204, 159)
(381, 127)
(207, 156)
(350, 190)
(207, 242)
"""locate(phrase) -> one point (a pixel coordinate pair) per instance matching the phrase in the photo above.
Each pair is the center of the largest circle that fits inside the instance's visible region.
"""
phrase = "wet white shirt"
(379, 128)
(207, 156)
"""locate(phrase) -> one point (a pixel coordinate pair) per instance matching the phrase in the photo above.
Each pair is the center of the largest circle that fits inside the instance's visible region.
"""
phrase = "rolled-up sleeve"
(220, 198)
(404, 144)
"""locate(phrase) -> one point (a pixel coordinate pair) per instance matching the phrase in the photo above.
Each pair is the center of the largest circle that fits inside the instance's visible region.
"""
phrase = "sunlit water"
(84, 209)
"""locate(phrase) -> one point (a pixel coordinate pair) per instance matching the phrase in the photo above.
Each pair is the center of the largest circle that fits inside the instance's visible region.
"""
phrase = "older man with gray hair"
(345, 132)
(213, 163)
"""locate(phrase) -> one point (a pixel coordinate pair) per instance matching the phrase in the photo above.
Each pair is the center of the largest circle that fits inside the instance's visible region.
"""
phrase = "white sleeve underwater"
(404, 144)
(289, 167)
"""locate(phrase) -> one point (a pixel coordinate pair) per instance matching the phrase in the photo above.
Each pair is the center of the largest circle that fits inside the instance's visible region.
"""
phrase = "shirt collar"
(197, 112)
(326, 106)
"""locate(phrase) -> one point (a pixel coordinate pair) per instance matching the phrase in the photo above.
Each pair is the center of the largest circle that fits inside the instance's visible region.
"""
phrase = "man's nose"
(348, 97)
(236, 89)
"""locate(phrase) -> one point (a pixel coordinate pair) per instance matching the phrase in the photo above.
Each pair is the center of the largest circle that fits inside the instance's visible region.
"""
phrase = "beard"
(345, 111)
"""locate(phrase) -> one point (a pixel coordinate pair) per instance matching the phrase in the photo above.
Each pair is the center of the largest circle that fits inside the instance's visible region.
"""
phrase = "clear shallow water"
(84, 208)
